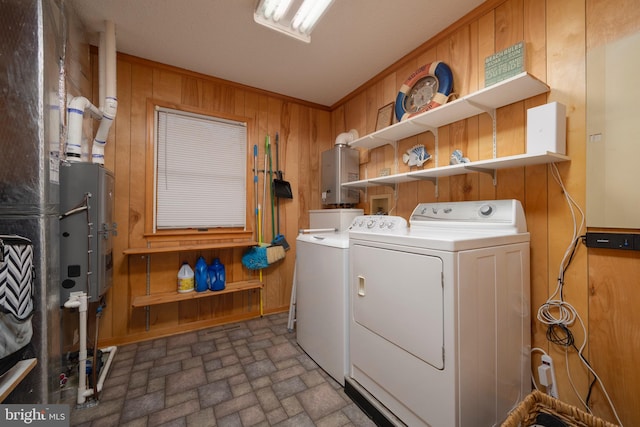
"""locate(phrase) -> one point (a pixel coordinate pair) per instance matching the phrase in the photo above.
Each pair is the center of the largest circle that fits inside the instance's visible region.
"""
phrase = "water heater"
(339, 165)
(86, 230)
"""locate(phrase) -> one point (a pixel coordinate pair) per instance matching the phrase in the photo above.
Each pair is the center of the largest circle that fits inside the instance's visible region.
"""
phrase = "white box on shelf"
(547, 129)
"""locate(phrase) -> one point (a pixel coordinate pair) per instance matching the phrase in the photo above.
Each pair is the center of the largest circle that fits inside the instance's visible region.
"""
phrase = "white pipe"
(75, 110)
(110, 106)
(101, 69)
(112, 352)
(79, 300)
(346, 137)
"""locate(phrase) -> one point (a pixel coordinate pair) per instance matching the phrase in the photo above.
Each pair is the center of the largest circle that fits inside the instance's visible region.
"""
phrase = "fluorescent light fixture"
(294, 18)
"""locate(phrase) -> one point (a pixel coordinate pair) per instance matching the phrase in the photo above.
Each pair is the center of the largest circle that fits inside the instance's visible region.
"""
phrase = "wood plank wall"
(304, 131)
(555, 34)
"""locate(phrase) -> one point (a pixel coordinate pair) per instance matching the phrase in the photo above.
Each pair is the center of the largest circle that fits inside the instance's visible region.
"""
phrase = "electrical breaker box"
(86, 230)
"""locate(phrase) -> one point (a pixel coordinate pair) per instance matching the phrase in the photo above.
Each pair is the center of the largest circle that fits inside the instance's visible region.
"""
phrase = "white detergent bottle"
(185, 278)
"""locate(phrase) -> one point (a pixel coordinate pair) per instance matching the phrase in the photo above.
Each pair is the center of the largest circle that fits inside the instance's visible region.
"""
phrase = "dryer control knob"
(486, 210)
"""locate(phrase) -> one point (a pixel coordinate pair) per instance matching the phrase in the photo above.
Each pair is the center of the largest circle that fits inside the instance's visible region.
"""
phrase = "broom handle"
(255, 187)
(279, 176)
(264, 192)
(259, 236)
(273, 217)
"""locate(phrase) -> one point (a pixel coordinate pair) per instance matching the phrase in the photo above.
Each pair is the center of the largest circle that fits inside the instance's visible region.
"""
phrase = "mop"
(263, 255)
(278, 188)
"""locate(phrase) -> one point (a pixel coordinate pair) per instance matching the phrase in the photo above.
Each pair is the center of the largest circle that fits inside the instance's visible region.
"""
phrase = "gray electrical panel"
(86, 230)
(339, 165)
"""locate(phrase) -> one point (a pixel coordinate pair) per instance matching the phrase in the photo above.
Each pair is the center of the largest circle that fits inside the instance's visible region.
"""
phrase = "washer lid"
(336, 240)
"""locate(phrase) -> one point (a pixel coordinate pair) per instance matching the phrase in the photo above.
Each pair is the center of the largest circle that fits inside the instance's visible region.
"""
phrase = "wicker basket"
(525, 413)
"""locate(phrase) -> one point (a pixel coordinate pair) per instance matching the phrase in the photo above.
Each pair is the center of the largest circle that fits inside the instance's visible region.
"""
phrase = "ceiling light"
(295, 18)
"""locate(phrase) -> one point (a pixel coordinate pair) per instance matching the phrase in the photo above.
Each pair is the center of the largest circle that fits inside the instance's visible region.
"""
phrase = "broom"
(261, 256)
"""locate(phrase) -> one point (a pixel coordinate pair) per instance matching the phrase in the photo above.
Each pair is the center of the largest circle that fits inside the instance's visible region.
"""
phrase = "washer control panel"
(379, 224)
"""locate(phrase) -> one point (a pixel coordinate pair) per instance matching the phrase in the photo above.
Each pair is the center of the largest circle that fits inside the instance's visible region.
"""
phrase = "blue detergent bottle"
(216, 275)
(201, 277)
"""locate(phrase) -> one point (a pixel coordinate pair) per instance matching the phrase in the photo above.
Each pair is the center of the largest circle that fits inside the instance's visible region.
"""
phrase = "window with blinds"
(200, 171)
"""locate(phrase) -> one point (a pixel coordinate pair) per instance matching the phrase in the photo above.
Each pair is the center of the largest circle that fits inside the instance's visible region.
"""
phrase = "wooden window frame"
(226, 234)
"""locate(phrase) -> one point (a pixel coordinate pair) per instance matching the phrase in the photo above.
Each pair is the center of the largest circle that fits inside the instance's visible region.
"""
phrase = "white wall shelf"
(486, 100)
(487, 166)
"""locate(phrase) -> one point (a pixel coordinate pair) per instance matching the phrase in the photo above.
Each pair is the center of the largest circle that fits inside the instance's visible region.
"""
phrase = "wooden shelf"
(486, 100)
(186, 248)
(10, 379)
(167, 297)
(488, 166)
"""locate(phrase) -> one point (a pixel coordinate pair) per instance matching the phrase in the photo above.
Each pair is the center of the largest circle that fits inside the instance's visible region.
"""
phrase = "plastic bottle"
(216, 275)
(185, 278)
(202, 283)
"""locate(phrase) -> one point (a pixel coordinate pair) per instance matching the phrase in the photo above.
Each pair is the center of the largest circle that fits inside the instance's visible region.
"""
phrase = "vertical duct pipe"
(108, 98)
(75, 111)
(110, 106)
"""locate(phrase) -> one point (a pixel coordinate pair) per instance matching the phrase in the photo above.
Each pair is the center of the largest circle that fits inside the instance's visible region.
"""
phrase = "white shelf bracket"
(491, 172)
(431, 129)
(435, 136)
(384, 140)
(422, 126)
(492, 113)
(429, 178)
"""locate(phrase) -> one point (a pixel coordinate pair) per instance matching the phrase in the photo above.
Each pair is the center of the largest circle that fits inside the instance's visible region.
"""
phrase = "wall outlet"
(547, 376)
(385, 172)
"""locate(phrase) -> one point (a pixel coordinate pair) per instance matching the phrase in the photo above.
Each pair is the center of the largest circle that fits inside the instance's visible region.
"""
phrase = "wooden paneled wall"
(555, 33)
(304, 131)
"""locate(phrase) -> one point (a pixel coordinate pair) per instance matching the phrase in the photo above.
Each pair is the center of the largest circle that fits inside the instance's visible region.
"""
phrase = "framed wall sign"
(385, 116)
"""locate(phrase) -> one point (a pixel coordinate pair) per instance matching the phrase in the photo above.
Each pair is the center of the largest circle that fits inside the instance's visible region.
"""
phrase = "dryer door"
(398, 295)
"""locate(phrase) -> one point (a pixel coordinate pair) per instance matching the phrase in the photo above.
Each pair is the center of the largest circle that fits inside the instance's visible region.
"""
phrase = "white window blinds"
(200, 171)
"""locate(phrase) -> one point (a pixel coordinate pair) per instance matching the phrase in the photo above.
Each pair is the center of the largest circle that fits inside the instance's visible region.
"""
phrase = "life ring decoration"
(426, 88)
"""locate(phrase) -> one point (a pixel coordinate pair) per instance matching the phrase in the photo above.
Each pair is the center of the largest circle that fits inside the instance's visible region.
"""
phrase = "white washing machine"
(439, 315)
(322, 267)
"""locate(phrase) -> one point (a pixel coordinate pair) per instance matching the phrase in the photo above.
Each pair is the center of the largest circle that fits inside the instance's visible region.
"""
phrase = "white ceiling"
(354, 41)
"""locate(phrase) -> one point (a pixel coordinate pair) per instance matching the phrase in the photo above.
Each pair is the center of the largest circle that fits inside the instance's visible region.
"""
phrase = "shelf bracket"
(391, 142)
(429, 178)
(147, 309)
(492, 113)
(435, 138)
(428, 128)
(426, 178)
(491, 172)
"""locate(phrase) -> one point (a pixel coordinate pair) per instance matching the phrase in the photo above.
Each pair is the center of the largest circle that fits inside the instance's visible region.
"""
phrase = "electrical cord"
(558, 315)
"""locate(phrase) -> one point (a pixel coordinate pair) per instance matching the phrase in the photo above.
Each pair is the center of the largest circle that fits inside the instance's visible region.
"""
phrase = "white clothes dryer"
(439, 319)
